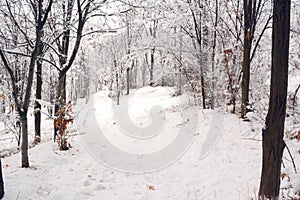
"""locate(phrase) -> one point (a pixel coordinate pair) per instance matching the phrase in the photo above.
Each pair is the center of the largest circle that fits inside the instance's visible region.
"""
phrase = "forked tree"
(253, 11)
(65, 17)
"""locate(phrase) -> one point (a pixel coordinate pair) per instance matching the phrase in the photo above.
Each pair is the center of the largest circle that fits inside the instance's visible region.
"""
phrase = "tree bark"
(246, 76)
(38, 95)
(248, 36)
(273, 144)
(61, 92)
(24, 143)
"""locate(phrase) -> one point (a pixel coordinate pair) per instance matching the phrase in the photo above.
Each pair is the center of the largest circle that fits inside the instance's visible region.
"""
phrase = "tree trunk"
(61, 92)
(179, 85)
(24, 143)
(37, 121)
(248, 12)
(128, 79)
(144, 70)
(118, 88)
(273, 144)
(213, 57)
(203, 89)
(38, 95)
(1, 182)
(246, 76)
(152, 66)
(60, 100)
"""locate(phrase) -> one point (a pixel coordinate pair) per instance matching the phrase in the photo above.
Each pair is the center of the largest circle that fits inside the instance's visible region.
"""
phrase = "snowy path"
(230, 171)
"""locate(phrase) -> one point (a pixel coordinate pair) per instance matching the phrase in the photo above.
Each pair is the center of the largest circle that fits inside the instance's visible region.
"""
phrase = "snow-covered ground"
(229, 170)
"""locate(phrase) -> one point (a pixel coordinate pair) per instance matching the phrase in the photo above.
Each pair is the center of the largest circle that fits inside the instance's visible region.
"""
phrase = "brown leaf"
(5, 165)
(150, 187)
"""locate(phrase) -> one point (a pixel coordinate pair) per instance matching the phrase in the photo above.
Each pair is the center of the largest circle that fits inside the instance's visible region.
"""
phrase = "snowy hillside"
(230, 171)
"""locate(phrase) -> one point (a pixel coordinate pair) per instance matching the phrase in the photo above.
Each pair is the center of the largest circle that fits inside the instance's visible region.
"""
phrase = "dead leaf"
(5, 165)
(150, 187)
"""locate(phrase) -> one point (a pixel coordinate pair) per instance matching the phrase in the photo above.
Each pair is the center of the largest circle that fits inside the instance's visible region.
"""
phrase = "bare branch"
(259, 38)
(99, 31)
(13, 80)
(27, 55)
(17, 24)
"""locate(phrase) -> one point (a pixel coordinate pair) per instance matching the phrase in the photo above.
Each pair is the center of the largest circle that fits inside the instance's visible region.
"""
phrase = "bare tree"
(22, 105)
(273, 143)
(199, 40)
(253, 11)
(67, 23)
(38, 95)
(74, 15)
(214, 42)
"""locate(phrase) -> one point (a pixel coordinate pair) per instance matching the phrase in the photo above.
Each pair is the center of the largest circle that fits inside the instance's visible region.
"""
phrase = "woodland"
(236, 57)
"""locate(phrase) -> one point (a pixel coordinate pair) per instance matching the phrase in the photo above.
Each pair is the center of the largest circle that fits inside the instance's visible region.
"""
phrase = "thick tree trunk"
(246, 76)
(1, 182)
(24, 143)
(60, 100)
(38, 95)
(248, 35)
(273, 144)
(61, 92)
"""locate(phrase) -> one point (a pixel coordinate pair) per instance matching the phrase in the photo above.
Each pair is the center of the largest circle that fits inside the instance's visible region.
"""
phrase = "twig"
(295, 95)
(291, 157)
(50, 117)
(18, 195)
(283, 165)
(258, 140)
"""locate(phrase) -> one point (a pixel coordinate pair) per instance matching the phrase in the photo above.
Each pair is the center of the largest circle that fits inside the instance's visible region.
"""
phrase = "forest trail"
(230, 171)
